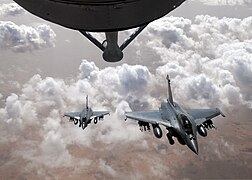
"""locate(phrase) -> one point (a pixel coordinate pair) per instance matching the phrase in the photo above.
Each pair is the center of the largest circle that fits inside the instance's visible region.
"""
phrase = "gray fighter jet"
(86, 116)
(180, 123)
(109, 16)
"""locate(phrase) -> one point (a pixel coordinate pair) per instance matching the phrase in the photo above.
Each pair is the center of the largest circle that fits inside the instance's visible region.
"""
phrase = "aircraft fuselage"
(85, 117)
(109, 16)
(183, 125)
(100, 15)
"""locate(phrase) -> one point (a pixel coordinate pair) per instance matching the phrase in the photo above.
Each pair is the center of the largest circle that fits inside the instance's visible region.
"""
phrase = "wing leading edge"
(100, 113)
(72, 114)
(152, 117)
(202, 115)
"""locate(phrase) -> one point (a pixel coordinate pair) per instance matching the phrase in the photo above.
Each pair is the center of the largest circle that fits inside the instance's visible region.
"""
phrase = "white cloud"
(120, 132)
(43, 102)
(13, 107)
(205, 54)
(11, 9)
(88, 70)
(133, 79)
(209, 61)
(53, 152)
(121, 82)
(225, 2)
(25, 38)
(204, 35)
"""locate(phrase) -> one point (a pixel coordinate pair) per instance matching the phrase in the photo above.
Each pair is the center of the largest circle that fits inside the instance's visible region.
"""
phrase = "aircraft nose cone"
(193, 145)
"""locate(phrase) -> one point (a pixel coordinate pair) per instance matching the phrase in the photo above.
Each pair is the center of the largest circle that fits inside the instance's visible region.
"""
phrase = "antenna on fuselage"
(169, 90)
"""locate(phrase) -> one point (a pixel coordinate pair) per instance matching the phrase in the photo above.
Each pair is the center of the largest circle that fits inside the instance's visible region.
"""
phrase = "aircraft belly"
(100, 15)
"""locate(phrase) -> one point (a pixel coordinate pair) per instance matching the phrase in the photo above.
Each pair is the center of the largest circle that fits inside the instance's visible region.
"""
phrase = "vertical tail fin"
(87, 101)
(169, 90)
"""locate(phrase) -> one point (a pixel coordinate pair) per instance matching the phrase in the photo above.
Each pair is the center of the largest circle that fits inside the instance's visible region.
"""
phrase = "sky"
(46, 70)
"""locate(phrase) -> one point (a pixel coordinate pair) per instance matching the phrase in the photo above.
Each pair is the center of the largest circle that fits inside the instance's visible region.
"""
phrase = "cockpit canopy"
(187, 125)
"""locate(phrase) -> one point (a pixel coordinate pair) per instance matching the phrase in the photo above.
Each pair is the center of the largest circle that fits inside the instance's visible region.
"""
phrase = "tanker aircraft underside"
(109, 16)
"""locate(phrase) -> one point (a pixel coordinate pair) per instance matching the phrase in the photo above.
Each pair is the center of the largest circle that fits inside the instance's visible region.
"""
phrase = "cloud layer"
(44, 101)
(209, 61)
(25, 38)
(225, 2)
(11, 9)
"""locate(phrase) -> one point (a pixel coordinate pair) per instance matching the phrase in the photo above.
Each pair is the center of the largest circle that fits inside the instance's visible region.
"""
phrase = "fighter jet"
(86, 116)
(183, 124)
(109, 16)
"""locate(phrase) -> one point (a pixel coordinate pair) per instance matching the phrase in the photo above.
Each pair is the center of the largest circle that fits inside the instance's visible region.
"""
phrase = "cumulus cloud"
(209, 61)
(11, 9)
(205, 35)
(209, 54)
(121, 82)
(13, 106)
(25, 38)
(53, 147)
(43, 102)
(225, 2)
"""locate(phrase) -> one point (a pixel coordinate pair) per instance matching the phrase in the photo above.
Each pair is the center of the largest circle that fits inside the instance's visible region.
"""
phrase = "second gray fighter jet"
(85, 117)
